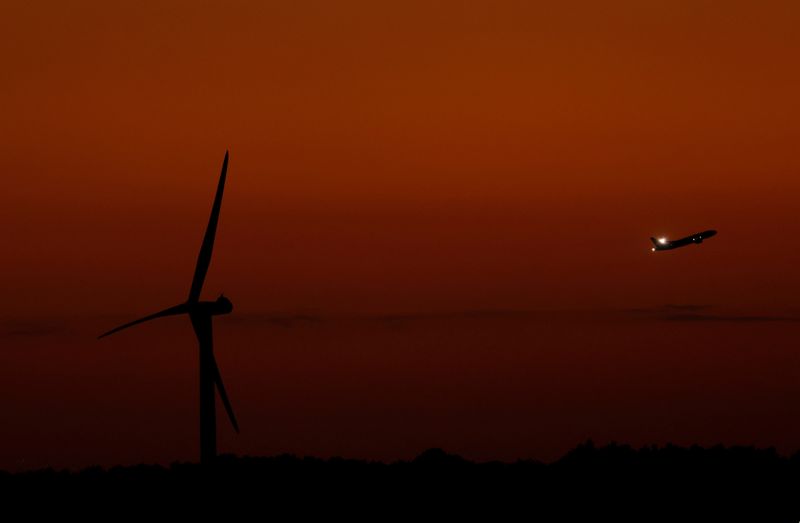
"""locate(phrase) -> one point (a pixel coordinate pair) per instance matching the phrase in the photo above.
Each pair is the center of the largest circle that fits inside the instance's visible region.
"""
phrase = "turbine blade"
(203, 330)
(204, 258)
(172, 311)
(224, 396)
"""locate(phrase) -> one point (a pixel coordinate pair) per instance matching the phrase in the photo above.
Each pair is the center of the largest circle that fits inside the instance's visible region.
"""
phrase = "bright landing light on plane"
(662, 241)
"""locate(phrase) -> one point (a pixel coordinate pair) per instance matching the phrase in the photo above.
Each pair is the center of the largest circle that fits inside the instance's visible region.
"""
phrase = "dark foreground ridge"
(615, 481)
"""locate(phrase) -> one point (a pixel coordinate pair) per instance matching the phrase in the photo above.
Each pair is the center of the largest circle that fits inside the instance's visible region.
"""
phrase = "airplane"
(662, 244)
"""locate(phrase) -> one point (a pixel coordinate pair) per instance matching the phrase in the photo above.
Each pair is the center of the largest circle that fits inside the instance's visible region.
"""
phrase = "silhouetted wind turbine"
(200, 313)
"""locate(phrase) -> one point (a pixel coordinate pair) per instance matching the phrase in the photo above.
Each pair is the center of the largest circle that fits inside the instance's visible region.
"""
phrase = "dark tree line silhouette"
(608, 483)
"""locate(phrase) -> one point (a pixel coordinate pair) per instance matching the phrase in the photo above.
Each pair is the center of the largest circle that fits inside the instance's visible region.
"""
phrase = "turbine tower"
(200, 314)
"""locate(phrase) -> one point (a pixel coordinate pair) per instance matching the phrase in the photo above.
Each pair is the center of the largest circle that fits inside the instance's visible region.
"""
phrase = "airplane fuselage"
(662, 244)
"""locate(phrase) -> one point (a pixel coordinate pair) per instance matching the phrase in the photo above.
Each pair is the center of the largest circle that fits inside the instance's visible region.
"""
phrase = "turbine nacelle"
(223, 305)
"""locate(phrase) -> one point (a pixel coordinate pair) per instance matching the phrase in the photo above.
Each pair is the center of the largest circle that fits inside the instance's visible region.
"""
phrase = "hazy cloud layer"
(279, 319)
(731, 318)
(705, 313)
(686, 312)
(31, 328)
(302, 319)
(463, 314)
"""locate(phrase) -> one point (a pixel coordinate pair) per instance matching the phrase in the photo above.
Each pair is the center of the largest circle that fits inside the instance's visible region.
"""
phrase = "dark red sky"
(441, 161)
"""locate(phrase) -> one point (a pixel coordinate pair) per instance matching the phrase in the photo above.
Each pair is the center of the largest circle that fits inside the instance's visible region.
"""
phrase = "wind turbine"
(200, 314)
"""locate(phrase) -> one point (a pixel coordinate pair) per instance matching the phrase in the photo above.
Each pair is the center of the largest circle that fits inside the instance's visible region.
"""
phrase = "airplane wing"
(204, 258)
(202, 329)
(172, 311)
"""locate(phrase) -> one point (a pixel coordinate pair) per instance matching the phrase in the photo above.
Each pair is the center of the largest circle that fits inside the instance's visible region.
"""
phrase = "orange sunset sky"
(435, 229)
